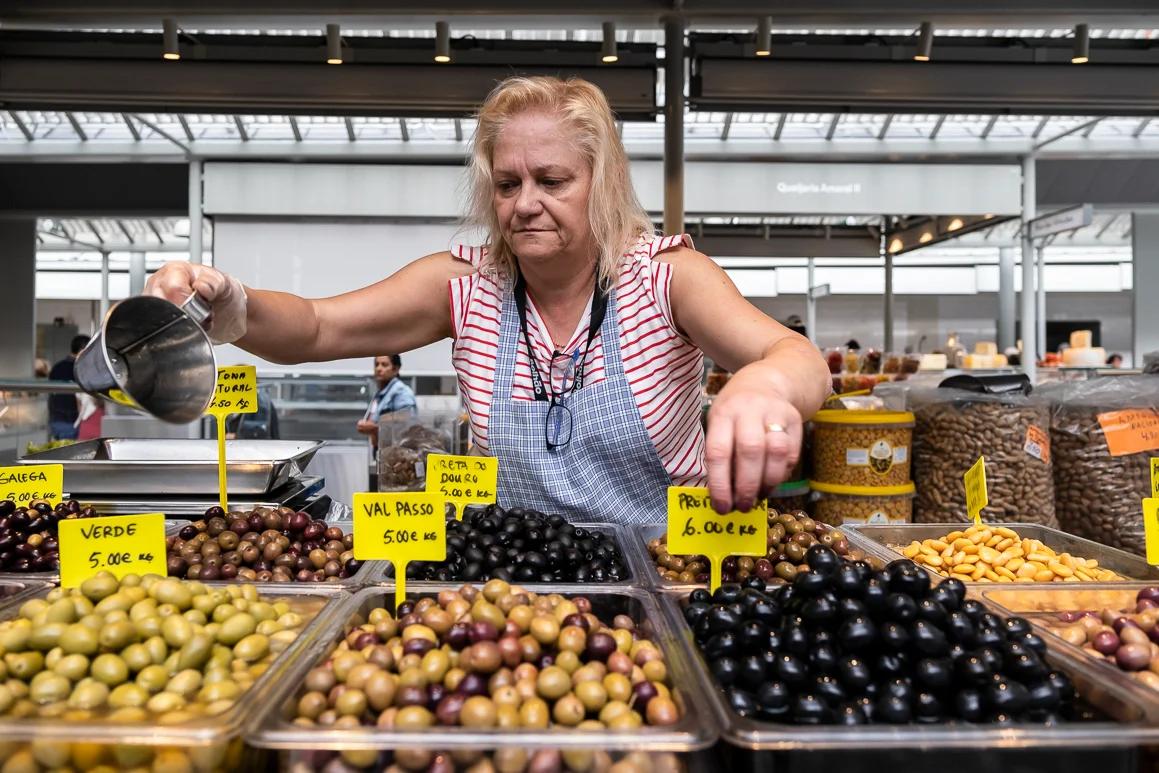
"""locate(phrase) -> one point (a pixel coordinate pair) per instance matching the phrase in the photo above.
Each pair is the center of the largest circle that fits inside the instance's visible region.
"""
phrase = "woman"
(578, 335)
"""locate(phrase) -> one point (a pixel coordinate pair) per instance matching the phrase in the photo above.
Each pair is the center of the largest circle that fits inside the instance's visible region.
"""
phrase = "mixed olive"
(492, 657)
(1127, 638)
(265, 544)
(140, 649)
(790, 535)
(844, 644)
(507, 759)
(28, 541)
(522, 545)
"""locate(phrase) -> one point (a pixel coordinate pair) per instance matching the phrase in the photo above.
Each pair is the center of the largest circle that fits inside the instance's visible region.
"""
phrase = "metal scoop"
(152, 355)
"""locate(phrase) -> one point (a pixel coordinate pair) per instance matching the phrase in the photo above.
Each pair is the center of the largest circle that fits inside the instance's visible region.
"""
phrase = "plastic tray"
(697, 729)
(1127, 565)
(1038, 604)
(1128, 725)
(15, 591)
(629, 549)
(645, 534)
(204, 730)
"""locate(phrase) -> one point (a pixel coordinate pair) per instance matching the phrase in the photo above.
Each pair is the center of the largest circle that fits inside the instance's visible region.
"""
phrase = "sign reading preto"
(236, 391)
(463, 480)
(27, 483)
(121, 544)
(400, 528)
(694, 528)
(976, 497)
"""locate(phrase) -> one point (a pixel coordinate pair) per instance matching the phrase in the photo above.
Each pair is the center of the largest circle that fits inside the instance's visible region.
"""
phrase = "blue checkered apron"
(608, 473)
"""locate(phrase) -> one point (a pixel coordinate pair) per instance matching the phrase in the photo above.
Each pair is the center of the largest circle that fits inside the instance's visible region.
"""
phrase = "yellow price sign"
(463, 480)
(400, 528)
(695, 528)
(236, 392)
(121, 544)
(27, 483)
(976, 497)
(1151, 529)
(1155, 477)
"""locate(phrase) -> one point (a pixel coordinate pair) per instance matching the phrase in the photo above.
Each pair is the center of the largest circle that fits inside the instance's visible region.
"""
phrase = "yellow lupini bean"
(998, 554)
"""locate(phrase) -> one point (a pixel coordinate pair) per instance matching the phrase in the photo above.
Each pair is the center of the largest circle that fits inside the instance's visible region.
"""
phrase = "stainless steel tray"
(297, 491)
(696, 729)
(1127, 725)
(176, 467)
(1128, 565)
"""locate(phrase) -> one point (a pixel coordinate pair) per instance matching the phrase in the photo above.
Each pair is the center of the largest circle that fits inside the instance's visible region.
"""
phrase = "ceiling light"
(1082, 44)
(608, 52)
(926, 237)
(896, 245)
(442, 42)
(764, 36)
(955, 224)
(170, 47)
(925, 42)
(333, 44)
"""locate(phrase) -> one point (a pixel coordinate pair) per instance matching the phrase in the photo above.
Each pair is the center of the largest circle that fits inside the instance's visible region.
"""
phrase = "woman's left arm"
(779, 380)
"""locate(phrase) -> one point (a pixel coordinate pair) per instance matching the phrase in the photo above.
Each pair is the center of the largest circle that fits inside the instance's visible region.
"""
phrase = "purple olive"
(483, 631)
(1122, 622)
(412, 695)
(642, 692)
(472, 684)
(577, 620)
(449, 707)
(1106, 642)
(297, 522)
(600, 646)
(459, 636)
(1133, 657)
(417, 647)
(1150, 593)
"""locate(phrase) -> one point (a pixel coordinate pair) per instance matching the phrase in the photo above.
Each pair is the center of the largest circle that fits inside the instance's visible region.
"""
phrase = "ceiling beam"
(156, 231)
(76, 127)
(125, 231)
(133, 130)
(458, 130)
(185, 127)
(1042, 122)
(1142, 127)
(989, 127)
(780, 126)
(724, 130)
(832, 130)
(241, 130)
(23, 127)
(403, 130)
(294, 128)
(350, 135)
(885, 126)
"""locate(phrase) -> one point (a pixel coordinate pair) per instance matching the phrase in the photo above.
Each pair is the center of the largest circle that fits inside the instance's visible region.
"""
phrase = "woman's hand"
(753, 443)
(177, 280)
(367, 426)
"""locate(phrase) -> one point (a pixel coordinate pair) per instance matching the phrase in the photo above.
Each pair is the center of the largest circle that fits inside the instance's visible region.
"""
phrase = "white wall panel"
(319, 259)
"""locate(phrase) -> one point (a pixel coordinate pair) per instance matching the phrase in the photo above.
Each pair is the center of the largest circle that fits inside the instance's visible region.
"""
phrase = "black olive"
(850, 714)
(752, 635)
(907, 577)
(752, 582)
(935, 673)
(991, 657)
(974, 671)
(792, 670)
(723, 644)
(927, 707)
(1034, 643)
(874, 596)
(901, 608)
(847, 608)
(726, 594)
(1007, 696)
(795, 640)
(721, 618)
(933, 611)
(821, 636)
(989, 620)
(900, 687)
(1017, 626)
(829, 689)
(822, 560)
(810, 709)
(890, 665)
(752, 672)
(892, 709)
(819, 610)
(960, 628)
(694, 612)
(1062, 683)
(968, 705)
(990, 637)
(774, 697)
(973, 608)
(725, 669)
(854, 672)
(857, 634)
(949, 593)
(1042, 696)
(741, 702)
(765, 611)
(700, 596)
(823, 659)
(811, 583)
(894, 636)
(1026, 667)
(929, 639)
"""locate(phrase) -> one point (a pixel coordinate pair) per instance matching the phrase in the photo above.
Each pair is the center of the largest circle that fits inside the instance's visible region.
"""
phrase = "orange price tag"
(1130, 431)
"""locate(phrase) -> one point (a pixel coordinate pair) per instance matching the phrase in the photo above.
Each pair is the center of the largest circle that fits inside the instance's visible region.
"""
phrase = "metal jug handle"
(198, 310)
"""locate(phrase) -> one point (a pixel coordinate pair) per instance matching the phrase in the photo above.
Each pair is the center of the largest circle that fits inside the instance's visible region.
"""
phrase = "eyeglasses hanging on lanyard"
(567, 369)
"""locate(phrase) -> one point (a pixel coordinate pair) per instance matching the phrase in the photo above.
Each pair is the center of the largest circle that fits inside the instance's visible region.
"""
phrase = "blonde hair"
(615, 214)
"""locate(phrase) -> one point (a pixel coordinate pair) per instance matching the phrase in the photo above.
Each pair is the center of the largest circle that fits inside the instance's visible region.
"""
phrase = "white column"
(1007, 301)
(104, 285)
(1145, 273)
(1030, 347)
(136, 273)
(18, 257)
(811, 304)
(887, 344)
(1040, 296)
(195, 246)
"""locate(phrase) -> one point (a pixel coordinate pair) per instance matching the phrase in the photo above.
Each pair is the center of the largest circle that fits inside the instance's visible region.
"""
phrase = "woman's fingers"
(748, 463)
(782, 449)
(718, 448)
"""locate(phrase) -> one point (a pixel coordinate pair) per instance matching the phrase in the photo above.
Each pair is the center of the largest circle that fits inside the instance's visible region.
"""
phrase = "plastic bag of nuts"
(953, 427)
(403, 445)
(1103, 433)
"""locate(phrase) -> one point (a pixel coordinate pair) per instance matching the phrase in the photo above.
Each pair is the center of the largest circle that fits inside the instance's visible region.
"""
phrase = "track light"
(442, 42)
(925, 42)
(333, 44)
(1082, 44)
(764, 36)
(608, 52)
(170, 46)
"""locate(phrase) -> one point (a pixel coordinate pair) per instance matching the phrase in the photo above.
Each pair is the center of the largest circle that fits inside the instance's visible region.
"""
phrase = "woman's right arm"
(409, 309)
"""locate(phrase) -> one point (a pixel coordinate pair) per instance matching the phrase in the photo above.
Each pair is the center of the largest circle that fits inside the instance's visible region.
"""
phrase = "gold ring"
(774, 427)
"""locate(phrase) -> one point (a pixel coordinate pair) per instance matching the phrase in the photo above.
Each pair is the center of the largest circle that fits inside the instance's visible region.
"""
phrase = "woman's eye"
(551, 182)
(506, 187)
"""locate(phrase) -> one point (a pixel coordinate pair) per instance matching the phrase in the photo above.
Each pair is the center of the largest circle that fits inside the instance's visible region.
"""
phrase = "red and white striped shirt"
(662, 366)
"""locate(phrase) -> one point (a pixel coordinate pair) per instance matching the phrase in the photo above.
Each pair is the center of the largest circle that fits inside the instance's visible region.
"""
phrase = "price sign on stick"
(400, 528)
(122, 544)
(976, 498)
(1151, 529)
(236, 392)
(694, 528)
(1155, 477)
(463, 480)
(26, 483)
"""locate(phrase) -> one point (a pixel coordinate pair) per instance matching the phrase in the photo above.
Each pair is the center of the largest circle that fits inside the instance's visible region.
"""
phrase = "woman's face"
(541, 189)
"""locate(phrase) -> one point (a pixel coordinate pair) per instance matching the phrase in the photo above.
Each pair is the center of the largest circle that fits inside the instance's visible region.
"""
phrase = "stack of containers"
(861, 466)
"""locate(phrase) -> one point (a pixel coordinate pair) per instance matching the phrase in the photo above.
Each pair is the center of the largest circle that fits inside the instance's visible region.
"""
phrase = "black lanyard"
(596, 319)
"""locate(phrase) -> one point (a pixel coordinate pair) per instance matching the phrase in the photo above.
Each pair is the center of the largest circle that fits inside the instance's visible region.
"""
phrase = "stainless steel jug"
(154, 356)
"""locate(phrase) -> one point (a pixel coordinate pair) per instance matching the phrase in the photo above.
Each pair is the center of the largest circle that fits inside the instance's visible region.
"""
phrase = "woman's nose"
(527, 203)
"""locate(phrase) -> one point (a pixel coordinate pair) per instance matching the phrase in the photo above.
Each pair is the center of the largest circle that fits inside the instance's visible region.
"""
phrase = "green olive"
(165, 701)
(478, 711)
(185, 683)
(136, 657)
(142, 609)
(175, 592)
(311, 705)
(117, 601)
(99, 586)
(48, 687)
(218, 691)
(176, 630)
(14, 637)
(195, 652)
(351, 703)
(128, 695)
(24, 665)
(153, 678)
(268, 627)
(33, 607)
(61, 611)
(88, 694)
(117, 635)
(553, 682)
(47, 636)
(568, 710)
(148, 627)
(6, 699)
(251, 648)
(592, 695)
(236, 627)
(413, 718)
(157, 648)
(534, 713)
(110, 669)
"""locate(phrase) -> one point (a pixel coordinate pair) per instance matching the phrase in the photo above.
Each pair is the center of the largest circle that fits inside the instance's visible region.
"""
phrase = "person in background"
(852, 345)
(41, 368)
(1115, 360)
(62, 409)
(392, 395)
(90, 414)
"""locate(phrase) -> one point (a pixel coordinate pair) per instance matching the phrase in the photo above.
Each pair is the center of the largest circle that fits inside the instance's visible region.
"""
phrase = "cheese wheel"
(1081, 339)
(988, 348)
